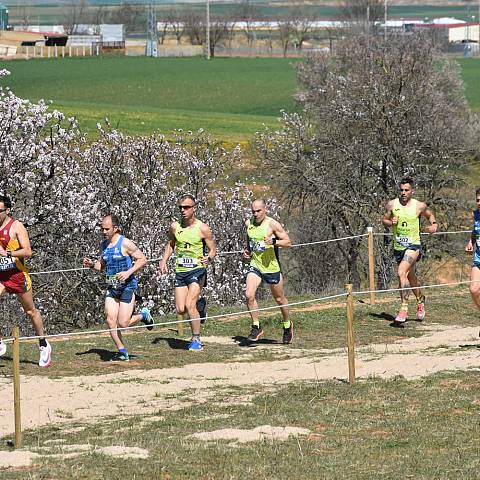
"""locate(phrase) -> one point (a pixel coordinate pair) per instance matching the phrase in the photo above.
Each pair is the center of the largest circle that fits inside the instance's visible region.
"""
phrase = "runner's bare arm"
(19, 232)
(473, 238)
(138, 257)
(429, 215)
(388, 219)
(247, 254)
(210, 242)
(281, 238)
(169, 249)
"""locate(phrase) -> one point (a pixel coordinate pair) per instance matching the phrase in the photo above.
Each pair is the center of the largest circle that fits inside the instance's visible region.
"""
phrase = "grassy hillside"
(231, 98)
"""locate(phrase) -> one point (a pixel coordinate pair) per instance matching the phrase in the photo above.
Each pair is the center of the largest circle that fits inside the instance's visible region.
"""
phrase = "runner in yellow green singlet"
(265, 236)
(403, 215)
(195, 248)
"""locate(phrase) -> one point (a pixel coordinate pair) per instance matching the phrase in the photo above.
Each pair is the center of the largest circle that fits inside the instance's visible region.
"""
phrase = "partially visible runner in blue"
(120, 258)
(473, 246)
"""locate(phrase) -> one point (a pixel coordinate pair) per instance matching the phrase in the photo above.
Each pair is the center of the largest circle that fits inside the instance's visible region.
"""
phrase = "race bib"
(259, 246)
(478, 242)
(187, 262)
(403, 241)
(113, 282)
(7, 263)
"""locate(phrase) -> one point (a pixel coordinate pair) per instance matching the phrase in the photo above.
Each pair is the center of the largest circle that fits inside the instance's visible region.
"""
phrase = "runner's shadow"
(383, 316)
(104, 355)
(245, 342)
(173, 343)
(26, 362)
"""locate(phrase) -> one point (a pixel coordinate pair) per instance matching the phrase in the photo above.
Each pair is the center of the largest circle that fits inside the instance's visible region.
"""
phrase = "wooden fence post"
(350, 336)
(371, 265)
(16, 387)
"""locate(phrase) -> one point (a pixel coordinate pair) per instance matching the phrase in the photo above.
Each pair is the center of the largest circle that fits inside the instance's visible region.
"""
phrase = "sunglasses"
(185, 207)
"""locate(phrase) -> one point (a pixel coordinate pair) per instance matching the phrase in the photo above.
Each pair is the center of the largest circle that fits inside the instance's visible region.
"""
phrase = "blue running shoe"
(202, 309)
(195, 345)
(147, 318)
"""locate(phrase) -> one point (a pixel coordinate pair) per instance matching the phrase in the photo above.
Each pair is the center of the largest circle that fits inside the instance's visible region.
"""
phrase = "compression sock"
(42, 342)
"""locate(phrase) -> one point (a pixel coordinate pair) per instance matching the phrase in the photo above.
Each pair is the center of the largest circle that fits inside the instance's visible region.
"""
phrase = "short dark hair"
(477, 192)
(189, 196)
(6, 201)
(405, 180)
(115, 219)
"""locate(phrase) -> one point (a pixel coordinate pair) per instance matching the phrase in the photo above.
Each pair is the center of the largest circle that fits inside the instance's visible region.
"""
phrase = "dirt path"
(87, 398)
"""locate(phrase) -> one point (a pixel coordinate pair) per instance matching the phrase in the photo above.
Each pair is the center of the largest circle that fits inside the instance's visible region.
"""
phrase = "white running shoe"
(3, 349)
(45, 356)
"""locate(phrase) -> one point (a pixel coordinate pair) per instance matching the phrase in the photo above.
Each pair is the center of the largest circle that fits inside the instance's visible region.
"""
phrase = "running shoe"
(288, 334)
(45, 359)
(3, 348)
(202, 309)
(402, 316)
(195, 345)
(147, 318)
(120, 357)
(421, 309)
(255, 333)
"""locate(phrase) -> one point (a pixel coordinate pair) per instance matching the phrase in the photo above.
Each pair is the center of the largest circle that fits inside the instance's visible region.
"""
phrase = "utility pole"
(151, 49)
(207, 32)
(385, 21)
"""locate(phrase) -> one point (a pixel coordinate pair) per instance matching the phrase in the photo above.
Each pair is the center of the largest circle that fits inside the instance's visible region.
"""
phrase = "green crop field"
(231, 98)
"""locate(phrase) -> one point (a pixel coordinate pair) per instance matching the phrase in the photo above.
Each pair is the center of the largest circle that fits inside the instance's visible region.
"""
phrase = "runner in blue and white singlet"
(119, 258)
(473, 246)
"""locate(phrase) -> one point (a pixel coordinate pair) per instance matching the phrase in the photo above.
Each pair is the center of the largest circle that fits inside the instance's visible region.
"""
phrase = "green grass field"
(231, 98)
(426, 428)
(52, 12)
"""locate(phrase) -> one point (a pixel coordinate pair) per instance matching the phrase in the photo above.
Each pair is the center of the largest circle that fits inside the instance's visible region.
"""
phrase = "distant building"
(3, 17)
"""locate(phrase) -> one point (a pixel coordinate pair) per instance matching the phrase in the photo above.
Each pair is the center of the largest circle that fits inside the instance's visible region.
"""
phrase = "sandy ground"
(84, 399)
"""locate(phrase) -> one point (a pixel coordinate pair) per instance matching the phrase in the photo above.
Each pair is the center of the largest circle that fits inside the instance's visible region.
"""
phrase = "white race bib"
(259, 246)
(7, 263)
(113, 282)
(187, 262)
(403, 241)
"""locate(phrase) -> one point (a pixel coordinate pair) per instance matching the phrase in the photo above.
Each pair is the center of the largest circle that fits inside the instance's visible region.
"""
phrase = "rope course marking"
(222, 315)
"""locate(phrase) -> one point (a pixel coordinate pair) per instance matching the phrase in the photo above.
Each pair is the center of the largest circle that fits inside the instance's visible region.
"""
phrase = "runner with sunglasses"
(195, 248)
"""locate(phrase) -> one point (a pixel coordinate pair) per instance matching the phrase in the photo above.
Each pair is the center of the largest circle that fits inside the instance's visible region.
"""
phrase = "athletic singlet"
(407, 231)
(9, 266)
(116, 262)
(476, 232)
(263, 257)
(190, 247)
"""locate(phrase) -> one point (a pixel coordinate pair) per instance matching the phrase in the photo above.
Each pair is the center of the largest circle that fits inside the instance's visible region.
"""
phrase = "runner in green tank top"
(265, 236)
(195, 249)
(403, 215)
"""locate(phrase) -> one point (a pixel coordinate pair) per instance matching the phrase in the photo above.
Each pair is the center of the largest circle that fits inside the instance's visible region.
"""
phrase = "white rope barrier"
(173, 322)
(438, 285)
(389, 234)
(219, 254)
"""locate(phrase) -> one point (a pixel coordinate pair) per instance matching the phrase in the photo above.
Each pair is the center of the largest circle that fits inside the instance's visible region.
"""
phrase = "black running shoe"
(288, 334)
(202, 309)
(255, 333)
